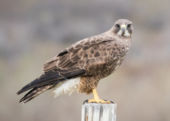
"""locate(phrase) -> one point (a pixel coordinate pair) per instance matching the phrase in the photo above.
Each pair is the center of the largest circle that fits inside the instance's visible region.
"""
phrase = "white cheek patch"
(127, 34)
(119, 33)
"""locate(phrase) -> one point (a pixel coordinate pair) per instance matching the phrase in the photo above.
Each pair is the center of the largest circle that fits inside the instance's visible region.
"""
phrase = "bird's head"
(123, 28)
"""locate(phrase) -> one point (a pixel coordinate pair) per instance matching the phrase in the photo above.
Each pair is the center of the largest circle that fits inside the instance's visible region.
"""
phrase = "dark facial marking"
(123, 33)
(130, 30)
(117, 26)
(129, 25)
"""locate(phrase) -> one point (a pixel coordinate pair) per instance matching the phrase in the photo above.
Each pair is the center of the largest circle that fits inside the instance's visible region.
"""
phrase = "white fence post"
(98, 112)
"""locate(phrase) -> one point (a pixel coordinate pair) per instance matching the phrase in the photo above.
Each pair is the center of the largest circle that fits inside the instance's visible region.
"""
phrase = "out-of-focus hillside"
(33, 31)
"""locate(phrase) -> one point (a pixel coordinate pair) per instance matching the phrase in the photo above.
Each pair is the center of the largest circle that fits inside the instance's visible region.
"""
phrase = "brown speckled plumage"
(91, 59)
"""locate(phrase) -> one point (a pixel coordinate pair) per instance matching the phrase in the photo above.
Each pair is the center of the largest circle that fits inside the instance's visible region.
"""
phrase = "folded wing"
(70, 63)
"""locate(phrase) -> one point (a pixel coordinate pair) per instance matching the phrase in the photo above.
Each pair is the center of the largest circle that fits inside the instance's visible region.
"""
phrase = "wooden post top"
(98, 112)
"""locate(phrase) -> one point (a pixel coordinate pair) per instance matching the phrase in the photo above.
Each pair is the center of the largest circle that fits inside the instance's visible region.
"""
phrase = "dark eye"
(117, 25)
(129, 25)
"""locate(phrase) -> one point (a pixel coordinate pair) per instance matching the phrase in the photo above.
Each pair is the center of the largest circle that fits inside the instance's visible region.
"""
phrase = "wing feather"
(71, 56)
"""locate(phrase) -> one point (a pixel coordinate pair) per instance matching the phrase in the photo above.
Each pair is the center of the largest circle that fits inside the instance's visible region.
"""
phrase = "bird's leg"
(96, 98)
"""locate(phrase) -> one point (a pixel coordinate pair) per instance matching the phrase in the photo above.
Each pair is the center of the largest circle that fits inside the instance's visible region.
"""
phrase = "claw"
(98, 101)
(112, 102)
(86, 101)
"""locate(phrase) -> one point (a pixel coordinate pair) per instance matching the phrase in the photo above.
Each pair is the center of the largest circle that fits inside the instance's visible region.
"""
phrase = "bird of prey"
(81, 66)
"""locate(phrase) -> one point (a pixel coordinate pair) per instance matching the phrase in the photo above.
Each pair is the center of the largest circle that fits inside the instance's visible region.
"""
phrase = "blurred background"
(33, 31)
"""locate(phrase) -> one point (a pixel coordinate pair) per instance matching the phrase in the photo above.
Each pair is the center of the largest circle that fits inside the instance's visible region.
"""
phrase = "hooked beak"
(123, 27)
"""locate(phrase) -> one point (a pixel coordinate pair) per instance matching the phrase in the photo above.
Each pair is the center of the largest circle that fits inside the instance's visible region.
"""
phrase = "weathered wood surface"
(98, 112)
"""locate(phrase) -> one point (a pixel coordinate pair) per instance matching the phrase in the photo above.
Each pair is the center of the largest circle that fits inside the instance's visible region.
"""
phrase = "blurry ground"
(31, 32)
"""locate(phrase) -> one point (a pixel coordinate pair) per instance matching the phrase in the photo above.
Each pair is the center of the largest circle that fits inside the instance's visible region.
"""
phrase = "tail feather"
(34, 93)
(41, 81)
(48, 80)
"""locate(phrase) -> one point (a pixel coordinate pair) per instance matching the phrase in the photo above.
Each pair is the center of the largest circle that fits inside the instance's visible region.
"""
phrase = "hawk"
(81, 66)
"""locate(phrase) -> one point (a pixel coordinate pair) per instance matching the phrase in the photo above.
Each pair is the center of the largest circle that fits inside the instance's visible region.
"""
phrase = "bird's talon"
(86, 101)
(111, 102)
(99, 101)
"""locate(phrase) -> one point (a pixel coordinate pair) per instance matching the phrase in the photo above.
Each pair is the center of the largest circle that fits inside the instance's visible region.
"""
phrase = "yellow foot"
(98, 101)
